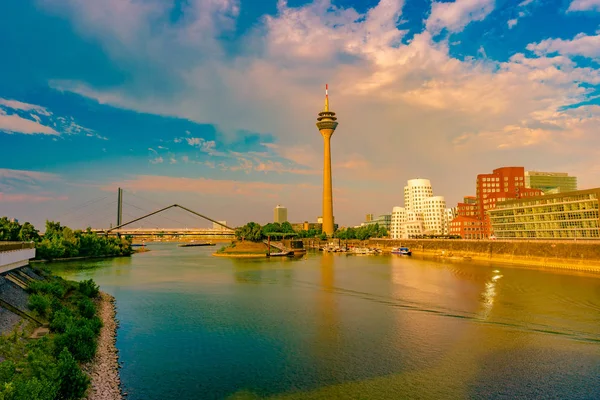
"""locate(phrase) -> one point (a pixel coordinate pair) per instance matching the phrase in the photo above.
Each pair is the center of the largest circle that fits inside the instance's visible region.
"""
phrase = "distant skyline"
(212, 103)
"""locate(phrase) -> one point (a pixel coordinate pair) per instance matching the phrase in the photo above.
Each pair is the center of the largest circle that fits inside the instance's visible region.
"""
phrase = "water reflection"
(489, 294)
(330, 326)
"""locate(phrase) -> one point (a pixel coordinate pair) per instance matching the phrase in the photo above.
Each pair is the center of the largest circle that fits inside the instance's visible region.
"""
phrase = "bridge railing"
(10, 246)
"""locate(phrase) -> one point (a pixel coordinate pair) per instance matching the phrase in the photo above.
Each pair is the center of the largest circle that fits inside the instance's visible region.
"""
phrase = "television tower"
(326, 123)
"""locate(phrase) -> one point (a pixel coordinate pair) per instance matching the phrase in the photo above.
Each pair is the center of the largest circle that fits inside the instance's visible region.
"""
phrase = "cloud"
(29, 198)
(16, 124)
(17, 105)
(157, 160)
(580, 45)
(392, 97)
(204, 186)
(584, 5)
(26, 176)
(455, 16)
(33, 119)
(512, 22)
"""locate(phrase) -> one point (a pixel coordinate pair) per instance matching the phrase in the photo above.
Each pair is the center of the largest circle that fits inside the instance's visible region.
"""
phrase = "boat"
(404, 251)
(281, 254)
(196, 244)
(138, 245)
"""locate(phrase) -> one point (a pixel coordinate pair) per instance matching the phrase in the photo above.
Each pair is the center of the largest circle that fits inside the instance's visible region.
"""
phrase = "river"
(336, 326)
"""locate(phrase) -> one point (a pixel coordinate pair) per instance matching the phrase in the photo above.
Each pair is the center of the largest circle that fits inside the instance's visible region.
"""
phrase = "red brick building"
(502, 184)
(467, 227)
(468, 208)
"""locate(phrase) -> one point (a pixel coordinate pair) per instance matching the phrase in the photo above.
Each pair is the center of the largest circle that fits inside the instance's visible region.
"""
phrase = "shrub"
(87, 308)
(80, 339)
(73, 382)
(61, 320)
(89, 288)
(40, 303)
(52, 288)
(95, 325)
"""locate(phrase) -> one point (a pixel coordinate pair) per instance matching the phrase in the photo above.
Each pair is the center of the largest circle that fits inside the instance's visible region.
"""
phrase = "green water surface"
(336, 326)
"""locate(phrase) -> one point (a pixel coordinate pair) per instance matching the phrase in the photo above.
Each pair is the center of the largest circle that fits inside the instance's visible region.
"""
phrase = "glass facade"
(561, 216)
(551, 182)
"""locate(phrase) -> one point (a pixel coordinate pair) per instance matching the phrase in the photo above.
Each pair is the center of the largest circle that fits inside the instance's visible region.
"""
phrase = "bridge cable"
(162, 216)
(83, 205)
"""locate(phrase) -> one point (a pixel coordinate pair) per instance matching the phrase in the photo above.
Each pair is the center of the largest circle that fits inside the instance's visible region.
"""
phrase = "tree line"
(63, 242)
(255, 232)
(362, 232)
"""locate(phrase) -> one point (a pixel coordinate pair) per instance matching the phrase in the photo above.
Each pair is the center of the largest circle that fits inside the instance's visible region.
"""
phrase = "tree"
(28, 233)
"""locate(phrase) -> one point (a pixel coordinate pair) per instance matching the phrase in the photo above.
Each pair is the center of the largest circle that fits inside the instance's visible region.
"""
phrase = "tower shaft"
(327, 185)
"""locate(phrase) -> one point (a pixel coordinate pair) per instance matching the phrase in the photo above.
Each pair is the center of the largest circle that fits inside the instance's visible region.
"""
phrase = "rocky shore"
(104, 368)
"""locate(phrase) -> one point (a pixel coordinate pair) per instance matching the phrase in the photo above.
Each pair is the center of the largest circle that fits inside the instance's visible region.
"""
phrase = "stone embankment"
(573, 255)
(104, 368)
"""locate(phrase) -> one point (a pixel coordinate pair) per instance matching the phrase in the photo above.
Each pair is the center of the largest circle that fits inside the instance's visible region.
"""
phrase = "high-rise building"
(327, 123)
(550, 182)
(369, 218)
(422, 213)
(502, 184)
(435, 216)
(415, 192)
(280, 214)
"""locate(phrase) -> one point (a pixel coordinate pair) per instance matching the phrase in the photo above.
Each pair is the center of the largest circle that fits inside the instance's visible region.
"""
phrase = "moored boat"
(404, 251)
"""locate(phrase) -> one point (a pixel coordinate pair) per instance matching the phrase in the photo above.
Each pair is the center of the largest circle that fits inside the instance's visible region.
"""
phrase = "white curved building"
(423, 213)
(415, 193)
(435, 216)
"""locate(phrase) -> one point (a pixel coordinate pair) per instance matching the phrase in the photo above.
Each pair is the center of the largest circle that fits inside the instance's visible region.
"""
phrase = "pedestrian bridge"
(15, 255)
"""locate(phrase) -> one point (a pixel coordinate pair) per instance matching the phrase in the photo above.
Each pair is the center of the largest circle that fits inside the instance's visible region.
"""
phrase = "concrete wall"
(15, 258)
(573, 255)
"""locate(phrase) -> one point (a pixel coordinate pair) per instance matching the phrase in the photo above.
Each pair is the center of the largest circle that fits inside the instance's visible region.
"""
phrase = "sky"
(212, 104)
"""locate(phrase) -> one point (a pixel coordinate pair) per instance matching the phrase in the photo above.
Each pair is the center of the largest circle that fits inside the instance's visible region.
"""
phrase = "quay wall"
(576, 255)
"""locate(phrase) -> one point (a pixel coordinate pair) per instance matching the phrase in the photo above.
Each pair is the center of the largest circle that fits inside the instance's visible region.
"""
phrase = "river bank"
(104, 368)
(83, 258)
(575, 256)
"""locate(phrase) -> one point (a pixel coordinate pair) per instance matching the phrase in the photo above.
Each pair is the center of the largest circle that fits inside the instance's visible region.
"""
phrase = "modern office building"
(572, 215)
(368, 217)
(384, 220)
(280, 214)
(327, 123)
(434, 215)
(415, 193)
(550, 182)
(422, 213)
(502, 184)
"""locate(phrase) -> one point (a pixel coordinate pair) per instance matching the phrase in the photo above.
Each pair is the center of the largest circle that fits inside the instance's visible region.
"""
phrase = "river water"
(336, 326)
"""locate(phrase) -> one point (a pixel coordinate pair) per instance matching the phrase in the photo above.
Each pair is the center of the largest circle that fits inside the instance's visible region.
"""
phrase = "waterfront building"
(220, 227)
(280, 214)
(468, 208)
(572, 215)
(435, 215)
(369, 218)
(422, 213)
(306, 226)
(415, 193)
(466, 227)
(502, 184)
(327, 123)
(384, 220)
(550, 182)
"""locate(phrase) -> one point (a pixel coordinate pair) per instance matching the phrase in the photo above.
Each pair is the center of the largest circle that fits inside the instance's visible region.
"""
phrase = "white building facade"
(423, 213)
